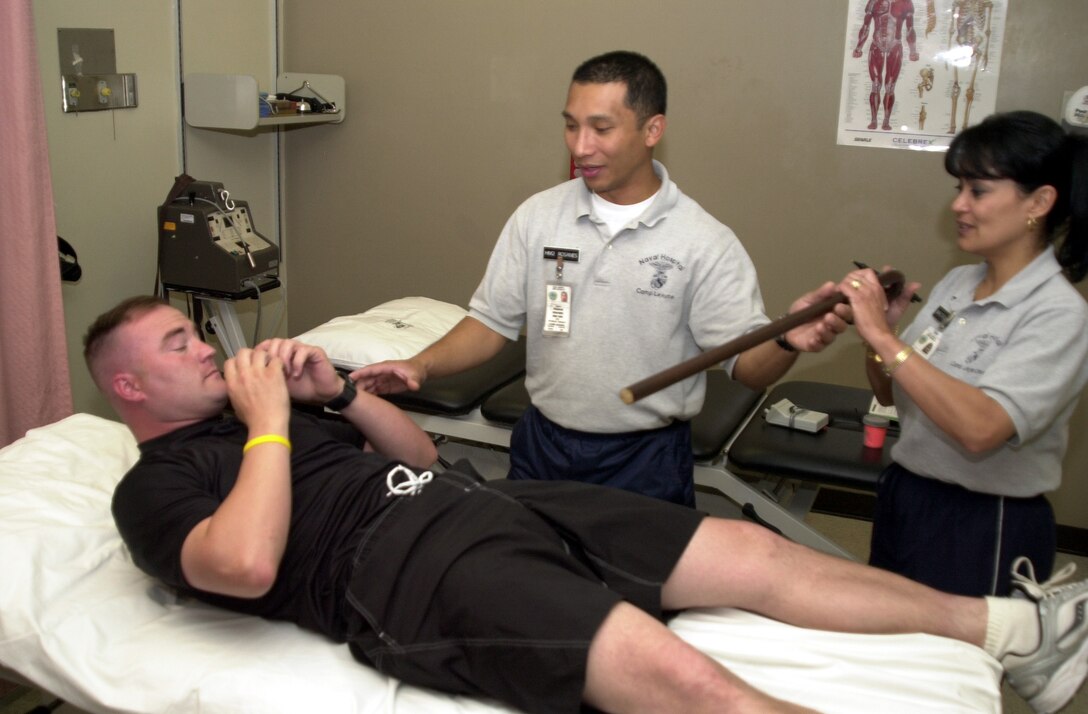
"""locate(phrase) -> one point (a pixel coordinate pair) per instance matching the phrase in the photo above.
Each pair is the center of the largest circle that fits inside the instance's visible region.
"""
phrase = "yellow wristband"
(267, 439)
(900, 358)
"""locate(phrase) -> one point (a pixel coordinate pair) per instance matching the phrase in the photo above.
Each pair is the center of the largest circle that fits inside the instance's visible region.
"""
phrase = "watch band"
(346, 397)
(782, 342)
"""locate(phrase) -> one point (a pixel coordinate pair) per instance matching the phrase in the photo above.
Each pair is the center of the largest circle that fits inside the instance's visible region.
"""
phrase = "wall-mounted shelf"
(231, 101)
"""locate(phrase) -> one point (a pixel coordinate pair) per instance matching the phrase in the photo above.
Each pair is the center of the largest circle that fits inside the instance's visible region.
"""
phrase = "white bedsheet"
(79, 620)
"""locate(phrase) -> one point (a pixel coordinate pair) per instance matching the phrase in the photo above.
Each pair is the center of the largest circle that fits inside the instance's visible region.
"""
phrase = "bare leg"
(636, 664)
(737, 564)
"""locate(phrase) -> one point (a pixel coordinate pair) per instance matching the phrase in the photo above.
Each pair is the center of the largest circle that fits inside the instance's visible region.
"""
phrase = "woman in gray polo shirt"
(986, 377)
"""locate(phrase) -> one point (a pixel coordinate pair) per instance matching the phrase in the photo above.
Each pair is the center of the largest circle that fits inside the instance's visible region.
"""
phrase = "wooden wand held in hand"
(891, 281)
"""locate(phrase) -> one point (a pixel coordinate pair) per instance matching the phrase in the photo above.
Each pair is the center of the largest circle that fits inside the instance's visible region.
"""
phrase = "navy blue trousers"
(656, 463)
(957, 540)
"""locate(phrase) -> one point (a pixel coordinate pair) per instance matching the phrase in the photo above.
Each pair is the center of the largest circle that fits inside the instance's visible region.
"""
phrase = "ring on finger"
(855, 284)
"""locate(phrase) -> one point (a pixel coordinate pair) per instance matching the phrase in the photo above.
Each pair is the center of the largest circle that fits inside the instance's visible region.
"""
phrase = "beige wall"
(455, 119)
(111, 169)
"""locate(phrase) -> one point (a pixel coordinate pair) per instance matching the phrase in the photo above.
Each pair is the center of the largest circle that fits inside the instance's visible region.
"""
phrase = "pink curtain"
(34, 386)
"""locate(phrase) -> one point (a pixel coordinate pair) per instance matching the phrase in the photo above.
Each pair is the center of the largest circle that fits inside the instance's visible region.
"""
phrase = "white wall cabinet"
(231, 101)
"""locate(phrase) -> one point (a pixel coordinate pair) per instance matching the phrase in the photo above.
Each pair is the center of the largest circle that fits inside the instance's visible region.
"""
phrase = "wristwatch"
(346, 397)
(782, 342)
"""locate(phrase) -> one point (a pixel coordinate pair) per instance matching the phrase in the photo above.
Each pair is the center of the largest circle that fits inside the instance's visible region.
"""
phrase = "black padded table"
(459, 394)
(834, 456)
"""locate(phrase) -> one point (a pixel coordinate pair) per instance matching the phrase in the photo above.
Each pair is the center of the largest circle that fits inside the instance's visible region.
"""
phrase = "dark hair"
(1033, 150)
(104, 326)
(646, 90)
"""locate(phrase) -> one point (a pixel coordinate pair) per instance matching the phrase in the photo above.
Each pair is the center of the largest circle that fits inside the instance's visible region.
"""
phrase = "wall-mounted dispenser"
(88, 72)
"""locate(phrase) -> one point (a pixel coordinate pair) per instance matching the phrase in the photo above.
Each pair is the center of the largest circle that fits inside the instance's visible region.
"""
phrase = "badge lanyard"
(557, 304)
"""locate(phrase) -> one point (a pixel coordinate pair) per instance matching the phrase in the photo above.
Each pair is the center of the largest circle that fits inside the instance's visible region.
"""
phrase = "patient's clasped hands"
(264, 380)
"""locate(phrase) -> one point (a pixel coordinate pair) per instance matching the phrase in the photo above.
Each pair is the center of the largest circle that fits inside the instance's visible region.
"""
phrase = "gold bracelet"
(900, 358)
(267, 439)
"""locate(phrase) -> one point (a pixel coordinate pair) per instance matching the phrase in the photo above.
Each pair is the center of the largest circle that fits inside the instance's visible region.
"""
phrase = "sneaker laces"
(412, 484)
(1049, 677)
(1026, 581)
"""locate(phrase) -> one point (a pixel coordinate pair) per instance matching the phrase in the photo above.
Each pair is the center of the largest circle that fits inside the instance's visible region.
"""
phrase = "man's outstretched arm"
(469, 344)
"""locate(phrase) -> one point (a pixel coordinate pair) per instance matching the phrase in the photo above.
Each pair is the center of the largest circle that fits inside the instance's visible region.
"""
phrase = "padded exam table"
(794, 464)
(79, 620)
(476, 411)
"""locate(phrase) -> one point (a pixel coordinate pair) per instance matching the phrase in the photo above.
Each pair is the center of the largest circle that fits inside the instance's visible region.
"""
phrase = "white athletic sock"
(1012, 627)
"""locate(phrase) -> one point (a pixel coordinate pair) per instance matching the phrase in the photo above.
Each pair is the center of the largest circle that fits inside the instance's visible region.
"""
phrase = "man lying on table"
(541, 594)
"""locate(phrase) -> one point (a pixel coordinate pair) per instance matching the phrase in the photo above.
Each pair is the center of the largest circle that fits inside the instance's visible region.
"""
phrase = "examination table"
(78, 619)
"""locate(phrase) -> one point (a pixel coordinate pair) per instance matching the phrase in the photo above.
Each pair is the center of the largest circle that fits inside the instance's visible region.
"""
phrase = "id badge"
(557, 310)
(927, 342)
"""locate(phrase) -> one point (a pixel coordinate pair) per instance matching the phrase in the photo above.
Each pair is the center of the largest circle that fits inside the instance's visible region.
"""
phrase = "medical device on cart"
(207, 242)
(210, 248)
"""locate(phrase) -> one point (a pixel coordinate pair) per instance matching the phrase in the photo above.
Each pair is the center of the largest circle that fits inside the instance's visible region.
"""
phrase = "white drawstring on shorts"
(412, 484)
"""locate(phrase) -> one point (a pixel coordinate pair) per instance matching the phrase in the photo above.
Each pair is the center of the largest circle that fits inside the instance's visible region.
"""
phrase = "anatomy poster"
(915, 72)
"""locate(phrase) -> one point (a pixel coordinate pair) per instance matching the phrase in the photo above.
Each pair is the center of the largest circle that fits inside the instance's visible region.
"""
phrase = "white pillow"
(397, 329)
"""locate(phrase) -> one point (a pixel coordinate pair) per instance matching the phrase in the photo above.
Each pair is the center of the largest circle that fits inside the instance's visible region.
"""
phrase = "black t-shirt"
(182, 477)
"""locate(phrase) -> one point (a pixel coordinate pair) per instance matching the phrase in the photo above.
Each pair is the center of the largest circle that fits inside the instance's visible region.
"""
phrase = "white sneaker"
(1049, 677)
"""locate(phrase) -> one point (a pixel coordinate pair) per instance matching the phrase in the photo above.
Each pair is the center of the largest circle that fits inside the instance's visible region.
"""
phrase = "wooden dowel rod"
(893, 285)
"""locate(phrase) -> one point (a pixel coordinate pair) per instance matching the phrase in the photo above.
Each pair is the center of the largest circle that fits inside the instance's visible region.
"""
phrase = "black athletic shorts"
(496, 588)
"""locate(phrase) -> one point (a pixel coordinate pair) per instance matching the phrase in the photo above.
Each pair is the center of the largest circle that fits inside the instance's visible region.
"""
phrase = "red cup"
(876, 429)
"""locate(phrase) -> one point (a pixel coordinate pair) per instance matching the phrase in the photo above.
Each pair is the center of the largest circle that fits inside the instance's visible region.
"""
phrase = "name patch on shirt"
(569, 255)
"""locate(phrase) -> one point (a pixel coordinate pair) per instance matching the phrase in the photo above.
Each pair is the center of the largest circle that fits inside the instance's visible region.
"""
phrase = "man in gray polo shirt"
(614, 276)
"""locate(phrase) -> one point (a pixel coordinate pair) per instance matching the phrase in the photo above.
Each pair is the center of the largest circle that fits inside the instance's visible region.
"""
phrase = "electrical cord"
(257, 327)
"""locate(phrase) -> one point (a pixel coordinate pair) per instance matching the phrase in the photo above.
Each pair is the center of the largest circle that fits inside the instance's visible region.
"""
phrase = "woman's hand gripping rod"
(891, 281)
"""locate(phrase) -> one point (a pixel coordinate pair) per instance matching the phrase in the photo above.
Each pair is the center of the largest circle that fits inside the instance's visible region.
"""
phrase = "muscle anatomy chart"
(917, 71)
